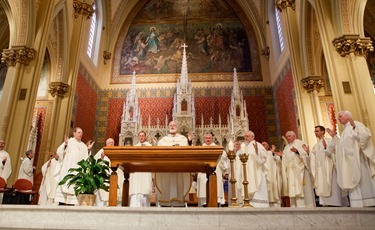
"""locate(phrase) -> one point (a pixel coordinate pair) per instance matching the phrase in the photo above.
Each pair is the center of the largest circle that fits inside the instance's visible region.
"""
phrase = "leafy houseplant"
(90, 176)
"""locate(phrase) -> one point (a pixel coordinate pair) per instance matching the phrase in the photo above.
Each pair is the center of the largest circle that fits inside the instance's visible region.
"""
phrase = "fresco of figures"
(217, 42)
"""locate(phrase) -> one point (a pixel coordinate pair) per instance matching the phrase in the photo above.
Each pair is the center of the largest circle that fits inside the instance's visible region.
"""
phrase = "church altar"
(163, 159)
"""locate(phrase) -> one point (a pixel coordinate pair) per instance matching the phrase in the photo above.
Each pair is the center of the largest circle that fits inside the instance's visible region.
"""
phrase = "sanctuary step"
(68, 217)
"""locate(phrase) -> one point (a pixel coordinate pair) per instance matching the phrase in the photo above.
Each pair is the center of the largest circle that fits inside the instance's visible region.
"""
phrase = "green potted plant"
(90, 176)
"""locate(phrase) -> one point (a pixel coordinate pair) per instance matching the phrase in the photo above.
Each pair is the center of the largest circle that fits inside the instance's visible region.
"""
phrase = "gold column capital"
(107, 56)
(312, 83)
(83, 8)
(266, 52)
(283, 4)
(353, 43)
(58, 89)
(20, 54)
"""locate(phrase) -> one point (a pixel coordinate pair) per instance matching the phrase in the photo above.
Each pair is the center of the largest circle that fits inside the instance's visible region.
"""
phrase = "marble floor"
(68, 217)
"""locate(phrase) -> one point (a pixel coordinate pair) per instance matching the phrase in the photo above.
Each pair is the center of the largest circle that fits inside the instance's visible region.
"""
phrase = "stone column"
(58, 90)
(305, 112)
(82, 12)
(25, 60)
(354, 49)
(345, 49)
(312, 85)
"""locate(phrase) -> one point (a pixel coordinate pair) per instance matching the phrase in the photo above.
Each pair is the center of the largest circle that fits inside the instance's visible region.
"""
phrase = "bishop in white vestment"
(172, 188)
(355, 160)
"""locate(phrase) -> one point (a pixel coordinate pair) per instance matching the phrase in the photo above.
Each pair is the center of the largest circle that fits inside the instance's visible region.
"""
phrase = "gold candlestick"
(246, 201)
(232, 156)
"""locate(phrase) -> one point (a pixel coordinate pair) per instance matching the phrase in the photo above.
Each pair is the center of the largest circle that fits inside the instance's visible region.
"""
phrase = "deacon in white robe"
(140, 183)
(324, 172)
(222, 169)
(297, 178)
(257, 187)
(355, 160)
(5, 164)
(49, 183)
(273, 185)
(70, 153)
(27, 169)
(172, 188)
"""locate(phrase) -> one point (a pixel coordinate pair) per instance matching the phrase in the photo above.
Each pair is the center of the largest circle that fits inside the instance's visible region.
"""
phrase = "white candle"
(243, 147)
(230, 145)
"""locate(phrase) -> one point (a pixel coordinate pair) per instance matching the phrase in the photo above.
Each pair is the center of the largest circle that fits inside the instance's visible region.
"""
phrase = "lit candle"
(230, 145)
(243, 147)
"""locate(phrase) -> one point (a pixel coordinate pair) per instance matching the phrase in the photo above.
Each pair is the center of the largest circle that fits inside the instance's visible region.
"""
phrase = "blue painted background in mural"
(216, 39)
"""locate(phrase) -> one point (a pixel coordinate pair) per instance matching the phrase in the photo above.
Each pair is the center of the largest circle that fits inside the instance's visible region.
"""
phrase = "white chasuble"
(172, 188)
(70, 156)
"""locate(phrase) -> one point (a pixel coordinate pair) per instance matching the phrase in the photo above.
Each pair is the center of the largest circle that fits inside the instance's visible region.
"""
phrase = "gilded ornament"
(283, 4)
(312, 83)
(58, 89)
(353, 43)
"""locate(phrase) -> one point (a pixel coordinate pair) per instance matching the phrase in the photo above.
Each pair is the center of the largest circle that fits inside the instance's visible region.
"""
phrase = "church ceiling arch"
(218, 40)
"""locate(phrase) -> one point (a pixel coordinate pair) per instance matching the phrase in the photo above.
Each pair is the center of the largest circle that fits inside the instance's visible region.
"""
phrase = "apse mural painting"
(216, 39)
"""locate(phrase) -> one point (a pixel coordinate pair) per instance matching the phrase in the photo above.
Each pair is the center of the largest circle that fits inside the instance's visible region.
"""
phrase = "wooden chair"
(23, 188)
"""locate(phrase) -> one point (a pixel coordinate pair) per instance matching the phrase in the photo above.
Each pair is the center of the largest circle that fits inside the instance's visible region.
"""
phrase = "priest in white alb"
(297, 177)
(49, 183)
(140, 183)
(324, 172)
(5, 165)
(273, 176)
(70, 153)
(172, 188)
(27, 169)
(355, 160)
(222, 169)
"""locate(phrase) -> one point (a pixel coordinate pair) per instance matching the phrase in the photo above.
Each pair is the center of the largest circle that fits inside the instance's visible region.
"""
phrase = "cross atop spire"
(184, 72)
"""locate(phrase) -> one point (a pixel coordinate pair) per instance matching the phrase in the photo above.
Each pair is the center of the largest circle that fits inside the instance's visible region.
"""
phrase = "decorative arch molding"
(11, 21)
(55, 44)
(59, 30)
(123, 17)
(255, 20)
(311, 44)
(26, 22)
(348, 16)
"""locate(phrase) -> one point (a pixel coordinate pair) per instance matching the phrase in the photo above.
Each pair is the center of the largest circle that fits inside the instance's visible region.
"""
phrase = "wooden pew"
(163, 159)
